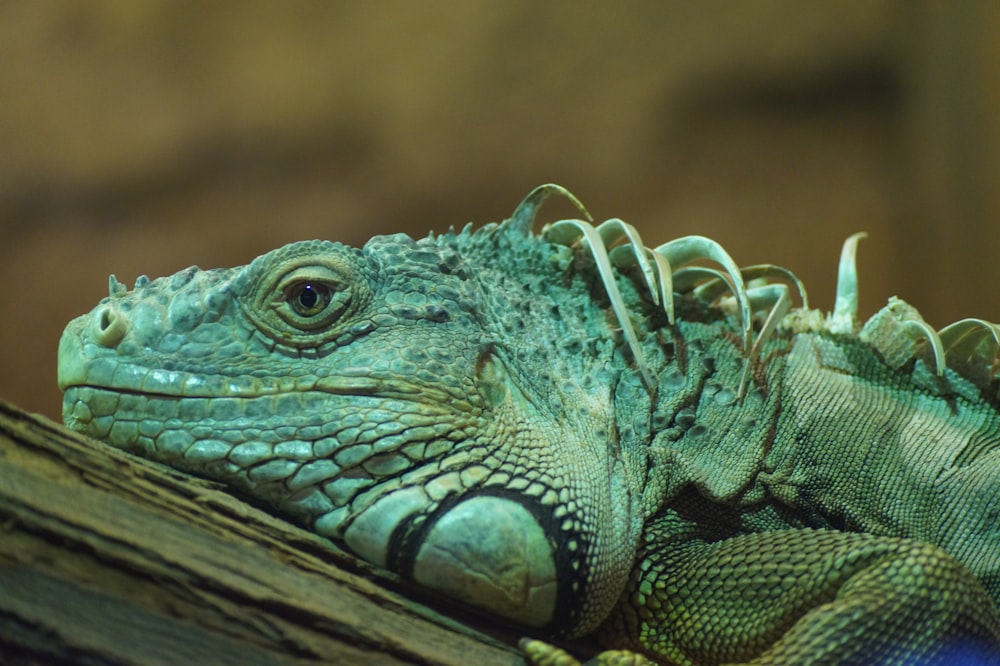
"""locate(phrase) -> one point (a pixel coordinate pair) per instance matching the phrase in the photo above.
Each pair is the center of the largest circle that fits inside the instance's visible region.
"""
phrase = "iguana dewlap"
(583, 435)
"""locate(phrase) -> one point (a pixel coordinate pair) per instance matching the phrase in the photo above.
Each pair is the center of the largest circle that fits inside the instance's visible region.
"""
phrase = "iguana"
(585, 435)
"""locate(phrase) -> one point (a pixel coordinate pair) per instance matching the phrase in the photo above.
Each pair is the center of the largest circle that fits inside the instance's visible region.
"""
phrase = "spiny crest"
(972, 346)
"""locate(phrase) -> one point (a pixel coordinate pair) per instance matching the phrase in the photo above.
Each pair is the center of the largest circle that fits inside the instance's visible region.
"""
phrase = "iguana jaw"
(277, 435)
(75, 369)
(513, 570)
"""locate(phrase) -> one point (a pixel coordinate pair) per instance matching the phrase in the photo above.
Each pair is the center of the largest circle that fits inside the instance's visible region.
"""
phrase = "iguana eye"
(305, 300)
(309, 299)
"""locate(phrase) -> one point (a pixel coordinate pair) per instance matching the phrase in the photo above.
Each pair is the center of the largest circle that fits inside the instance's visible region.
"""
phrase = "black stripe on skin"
(409, 536)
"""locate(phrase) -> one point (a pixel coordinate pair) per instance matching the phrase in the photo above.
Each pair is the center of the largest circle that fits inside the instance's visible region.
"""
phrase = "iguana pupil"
(309, 299)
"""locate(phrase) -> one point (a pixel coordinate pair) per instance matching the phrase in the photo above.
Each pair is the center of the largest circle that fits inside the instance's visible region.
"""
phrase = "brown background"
(143, 137)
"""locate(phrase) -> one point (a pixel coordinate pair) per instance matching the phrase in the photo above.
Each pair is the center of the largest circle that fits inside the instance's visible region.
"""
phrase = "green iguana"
(584, 435)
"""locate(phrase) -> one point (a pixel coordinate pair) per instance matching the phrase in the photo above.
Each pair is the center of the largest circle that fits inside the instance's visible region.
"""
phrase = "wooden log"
(106, 558)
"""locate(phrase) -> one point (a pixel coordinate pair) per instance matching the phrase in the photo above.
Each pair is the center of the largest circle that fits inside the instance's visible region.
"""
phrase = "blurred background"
(144, 137)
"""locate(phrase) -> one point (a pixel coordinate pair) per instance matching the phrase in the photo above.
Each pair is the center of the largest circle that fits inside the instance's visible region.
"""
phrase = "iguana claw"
(539, 653)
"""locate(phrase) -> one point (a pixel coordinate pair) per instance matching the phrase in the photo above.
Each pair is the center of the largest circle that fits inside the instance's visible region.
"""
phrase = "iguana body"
(473, 411)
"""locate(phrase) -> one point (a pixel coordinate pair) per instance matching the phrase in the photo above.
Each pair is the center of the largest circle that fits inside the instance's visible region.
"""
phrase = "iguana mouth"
(128, 391)
(388, 389)
(81, 363)
(238, 434)
(109, 372)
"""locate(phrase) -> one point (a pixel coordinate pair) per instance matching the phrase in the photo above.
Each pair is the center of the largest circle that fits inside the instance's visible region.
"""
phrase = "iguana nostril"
(109, 326)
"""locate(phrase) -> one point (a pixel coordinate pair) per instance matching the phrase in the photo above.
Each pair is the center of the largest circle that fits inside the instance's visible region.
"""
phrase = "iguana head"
(401, 398)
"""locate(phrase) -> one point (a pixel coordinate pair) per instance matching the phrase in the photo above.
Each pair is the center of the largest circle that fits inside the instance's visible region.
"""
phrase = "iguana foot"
(539, 653)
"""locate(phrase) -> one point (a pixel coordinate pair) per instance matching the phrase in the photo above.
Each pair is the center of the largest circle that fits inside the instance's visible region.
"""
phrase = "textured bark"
(109, 559)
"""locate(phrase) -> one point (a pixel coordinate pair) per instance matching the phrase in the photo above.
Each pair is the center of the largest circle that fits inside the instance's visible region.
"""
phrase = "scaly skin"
(462, 410)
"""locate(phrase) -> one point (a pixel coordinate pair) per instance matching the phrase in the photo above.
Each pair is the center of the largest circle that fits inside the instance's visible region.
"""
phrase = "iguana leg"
(803, 597)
